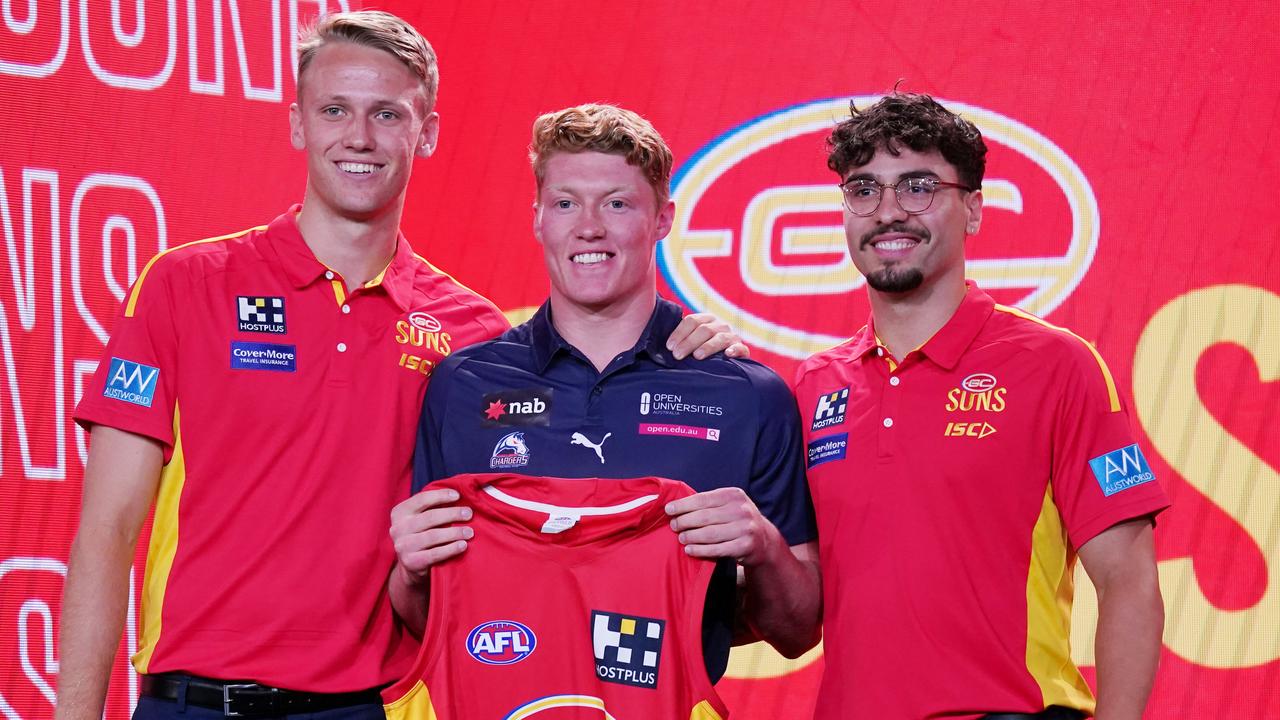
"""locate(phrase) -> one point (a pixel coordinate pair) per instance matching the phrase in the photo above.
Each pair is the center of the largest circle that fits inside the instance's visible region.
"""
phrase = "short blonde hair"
(605, 129)
(379, 30)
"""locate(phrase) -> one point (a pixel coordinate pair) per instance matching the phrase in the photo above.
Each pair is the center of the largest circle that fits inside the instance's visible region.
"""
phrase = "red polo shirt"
(952, 491)
(287, 404)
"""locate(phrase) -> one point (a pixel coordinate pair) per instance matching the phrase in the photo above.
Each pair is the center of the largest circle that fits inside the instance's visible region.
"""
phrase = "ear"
(537, 220)
(973, 211)
(666, 216)
(296, 136)
(428, 136)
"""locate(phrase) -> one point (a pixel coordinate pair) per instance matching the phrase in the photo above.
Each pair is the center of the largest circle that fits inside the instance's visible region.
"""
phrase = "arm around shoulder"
(782, 601)
(120, 482)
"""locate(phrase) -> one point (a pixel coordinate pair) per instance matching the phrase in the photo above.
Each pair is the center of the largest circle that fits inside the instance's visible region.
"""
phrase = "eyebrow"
(623, 190)
(376, 102)
(904, 176)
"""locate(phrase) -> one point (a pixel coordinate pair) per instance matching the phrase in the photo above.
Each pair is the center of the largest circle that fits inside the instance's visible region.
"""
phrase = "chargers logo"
(131, 382)
(758, 233)
(1121, 469)
(511, 451)
(501, 642)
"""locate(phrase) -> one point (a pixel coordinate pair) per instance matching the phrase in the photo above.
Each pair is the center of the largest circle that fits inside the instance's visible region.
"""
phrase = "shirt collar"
(953, 338)
(949, 343)
(303, 268)
(547, 343)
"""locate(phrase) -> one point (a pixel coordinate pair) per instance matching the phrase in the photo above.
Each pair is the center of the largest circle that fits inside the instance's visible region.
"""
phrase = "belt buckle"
(246, 700)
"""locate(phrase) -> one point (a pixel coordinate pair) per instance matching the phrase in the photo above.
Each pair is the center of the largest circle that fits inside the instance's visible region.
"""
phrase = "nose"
(889, 210)
(589, 225)
(357, 136)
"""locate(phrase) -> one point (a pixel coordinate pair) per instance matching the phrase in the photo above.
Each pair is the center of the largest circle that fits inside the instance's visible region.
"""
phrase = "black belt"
(1053, 712)
(250, 700)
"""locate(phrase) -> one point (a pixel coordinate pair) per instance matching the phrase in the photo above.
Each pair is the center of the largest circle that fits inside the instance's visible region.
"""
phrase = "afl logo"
(758, 234)
(424, 322)
(501, 642)
(979, 382)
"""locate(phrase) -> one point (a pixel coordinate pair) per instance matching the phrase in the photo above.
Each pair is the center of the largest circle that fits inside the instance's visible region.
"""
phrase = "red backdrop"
(1134, 163)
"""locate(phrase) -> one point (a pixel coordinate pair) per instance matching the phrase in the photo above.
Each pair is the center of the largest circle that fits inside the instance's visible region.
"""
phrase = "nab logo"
(527, 406)
(1121, 469)
(131, 382)
(501, 642)
(758, 233)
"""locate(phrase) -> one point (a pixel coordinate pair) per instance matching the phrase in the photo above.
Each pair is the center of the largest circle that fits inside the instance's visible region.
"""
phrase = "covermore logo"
(727, 261)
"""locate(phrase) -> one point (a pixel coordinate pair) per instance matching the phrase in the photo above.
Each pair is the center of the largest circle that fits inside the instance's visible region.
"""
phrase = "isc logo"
(501, 642)
(757, 236)
(968, 429)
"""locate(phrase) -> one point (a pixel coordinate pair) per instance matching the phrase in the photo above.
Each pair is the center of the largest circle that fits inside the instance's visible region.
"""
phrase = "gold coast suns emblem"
(758, 237)
(977, 393)
(549, 707)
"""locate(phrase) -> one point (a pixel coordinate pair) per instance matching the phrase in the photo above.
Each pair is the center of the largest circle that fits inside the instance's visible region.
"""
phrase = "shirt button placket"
(890, 405)
(344, 346)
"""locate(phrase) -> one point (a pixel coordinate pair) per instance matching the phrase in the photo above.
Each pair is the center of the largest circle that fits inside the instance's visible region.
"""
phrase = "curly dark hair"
(912, 120)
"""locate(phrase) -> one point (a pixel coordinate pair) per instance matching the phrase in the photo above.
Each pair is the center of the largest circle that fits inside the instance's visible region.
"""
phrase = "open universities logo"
(758, 237)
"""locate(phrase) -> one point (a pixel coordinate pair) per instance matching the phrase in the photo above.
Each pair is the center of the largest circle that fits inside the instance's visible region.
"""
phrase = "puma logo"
(580, 439)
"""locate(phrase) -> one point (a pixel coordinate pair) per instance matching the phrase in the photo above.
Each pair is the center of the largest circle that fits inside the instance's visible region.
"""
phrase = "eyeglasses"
(915, 194)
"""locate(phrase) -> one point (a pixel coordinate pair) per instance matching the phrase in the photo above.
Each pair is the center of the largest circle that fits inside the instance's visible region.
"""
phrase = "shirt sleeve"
(777, 483)
(1100, 476)
(428, 458)
(135, 385)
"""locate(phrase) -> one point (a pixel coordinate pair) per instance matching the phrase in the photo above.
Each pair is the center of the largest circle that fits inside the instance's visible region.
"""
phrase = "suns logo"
(560, 706)
(424, 321)
(758, 238)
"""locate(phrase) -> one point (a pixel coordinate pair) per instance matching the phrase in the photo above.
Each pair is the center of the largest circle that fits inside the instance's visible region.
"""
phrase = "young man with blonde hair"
(238, 393)
(590, 391)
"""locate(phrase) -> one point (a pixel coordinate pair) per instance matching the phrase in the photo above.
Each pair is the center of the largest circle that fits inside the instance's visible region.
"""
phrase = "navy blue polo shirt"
(529, 402)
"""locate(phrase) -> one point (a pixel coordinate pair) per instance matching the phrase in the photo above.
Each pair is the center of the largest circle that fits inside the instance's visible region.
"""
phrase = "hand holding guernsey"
(574, 595)
(586, 389)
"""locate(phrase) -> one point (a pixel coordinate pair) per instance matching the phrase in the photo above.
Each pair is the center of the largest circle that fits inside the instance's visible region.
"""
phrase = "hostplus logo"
(831, 409)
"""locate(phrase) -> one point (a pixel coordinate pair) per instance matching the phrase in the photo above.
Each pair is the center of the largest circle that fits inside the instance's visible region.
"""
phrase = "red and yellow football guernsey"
(952, 490)
(574, 600)
(286, 402)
